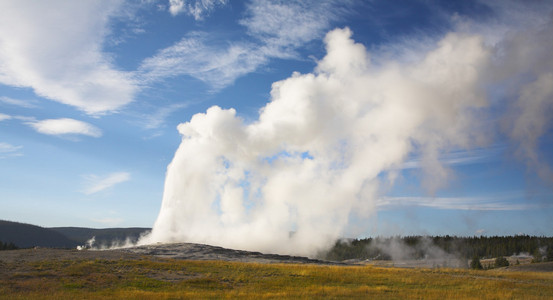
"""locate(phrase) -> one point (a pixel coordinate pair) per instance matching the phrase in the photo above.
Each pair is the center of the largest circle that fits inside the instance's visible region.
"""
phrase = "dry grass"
(174, 279)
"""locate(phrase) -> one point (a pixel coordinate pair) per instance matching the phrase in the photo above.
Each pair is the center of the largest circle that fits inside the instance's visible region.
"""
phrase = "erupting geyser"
(290, 181)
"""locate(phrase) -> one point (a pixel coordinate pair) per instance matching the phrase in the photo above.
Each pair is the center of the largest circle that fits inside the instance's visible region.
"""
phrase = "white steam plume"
(289, 182)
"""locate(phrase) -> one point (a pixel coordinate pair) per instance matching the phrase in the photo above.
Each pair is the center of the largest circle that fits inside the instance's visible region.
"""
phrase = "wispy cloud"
(500, 203)
(18, 102)
(8, 150)
(97, 184)
(282, 26)
(65, 126)
(196, 55)
(277, 29)
(69, 66)
(196, 8)
(156, 119)
(460, 157)
(4, 117)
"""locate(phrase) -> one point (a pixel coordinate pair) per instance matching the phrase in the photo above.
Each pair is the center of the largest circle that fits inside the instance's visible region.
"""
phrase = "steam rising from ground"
(424, 252)
(290, 181)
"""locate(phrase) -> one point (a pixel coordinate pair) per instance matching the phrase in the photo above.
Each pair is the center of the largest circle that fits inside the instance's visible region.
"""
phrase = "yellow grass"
(174, 279)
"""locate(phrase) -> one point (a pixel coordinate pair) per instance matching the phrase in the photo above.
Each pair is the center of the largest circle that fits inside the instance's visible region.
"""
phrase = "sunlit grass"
(174, 279)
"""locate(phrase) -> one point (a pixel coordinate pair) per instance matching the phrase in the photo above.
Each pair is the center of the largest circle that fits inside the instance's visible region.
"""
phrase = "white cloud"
(4, 117)
(65, 126)
(97, 184)
(195, 8)
(55, 48)
(8, 150)
(17, 102)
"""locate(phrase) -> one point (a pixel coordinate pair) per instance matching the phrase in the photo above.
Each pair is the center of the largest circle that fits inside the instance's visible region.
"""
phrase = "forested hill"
(418, 247)
(27, 235)
(103, 237)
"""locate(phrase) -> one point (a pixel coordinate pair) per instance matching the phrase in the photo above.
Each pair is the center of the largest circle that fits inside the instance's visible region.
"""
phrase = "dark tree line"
(7, 246)
(463, 247)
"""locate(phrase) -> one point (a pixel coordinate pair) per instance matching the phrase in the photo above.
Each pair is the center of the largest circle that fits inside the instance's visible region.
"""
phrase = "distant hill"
(103, 237)
(27, 235)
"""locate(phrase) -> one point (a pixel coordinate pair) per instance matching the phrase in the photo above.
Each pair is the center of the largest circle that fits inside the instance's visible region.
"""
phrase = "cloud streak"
(194, 56)
(97, 184)
(460, 157)
(18, 102)
(4, 117)
(157, 119)
(454, 203)
(284, 26)
(65, 126)
(8, 150)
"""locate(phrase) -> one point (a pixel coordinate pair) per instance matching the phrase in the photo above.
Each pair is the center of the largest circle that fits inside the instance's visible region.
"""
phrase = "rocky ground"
(190, 251)
(185, 251)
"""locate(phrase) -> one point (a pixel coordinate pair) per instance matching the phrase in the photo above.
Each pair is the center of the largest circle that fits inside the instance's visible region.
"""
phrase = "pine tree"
(475, 263)
(7, 246)
(501, 262)
(537, 256)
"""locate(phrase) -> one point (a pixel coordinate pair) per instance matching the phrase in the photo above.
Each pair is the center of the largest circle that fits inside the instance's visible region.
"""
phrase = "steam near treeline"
(441, 247)
(327, 141)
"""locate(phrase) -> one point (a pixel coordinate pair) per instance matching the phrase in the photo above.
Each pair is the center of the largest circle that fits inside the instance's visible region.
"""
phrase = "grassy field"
(149, 278)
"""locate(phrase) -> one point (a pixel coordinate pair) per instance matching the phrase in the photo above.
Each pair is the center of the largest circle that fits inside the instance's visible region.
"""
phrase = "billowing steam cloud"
(290, 181)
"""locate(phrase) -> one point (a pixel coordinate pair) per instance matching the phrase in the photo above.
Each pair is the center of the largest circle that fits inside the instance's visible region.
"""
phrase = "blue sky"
(92, 92)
